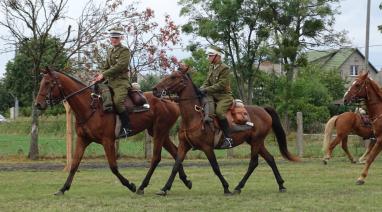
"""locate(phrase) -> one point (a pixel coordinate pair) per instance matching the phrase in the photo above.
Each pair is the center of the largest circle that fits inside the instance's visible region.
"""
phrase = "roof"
(333, 58)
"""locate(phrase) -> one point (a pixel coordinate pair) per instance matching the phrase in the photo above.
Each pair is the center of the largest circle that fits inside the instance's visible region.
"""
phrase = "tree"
(5, 98)
(241, 28)
(17, 76)
(380, 26)
(199, 62)
(34, 21)
(299, 25)
(148, 41)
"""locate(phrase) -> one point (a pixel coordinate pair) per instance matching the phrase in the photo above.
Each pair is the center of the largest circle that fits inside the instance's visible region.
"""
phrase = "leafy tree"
(240, 28)
(199, 62)
(149, 82)
(18, 72)
(6, 100)
(33, 22)
(299, 25)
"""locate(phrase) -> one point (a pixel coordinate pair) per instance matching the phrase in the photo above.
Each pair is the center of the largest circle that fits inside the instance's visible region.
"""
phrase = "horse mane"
(376, 88)
(197, 90)
(71, 77)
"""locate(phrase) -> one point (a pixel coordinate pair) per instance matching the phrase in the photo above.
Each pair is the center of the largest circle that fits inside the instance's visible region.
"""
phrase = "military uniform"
(218, 88)
(115, 72)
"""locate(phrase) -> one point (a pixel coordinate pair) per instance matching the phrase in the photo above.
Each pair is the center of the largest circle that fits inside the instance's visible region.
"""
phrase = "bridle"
(56, 82)
(166, 91)
(354, 96)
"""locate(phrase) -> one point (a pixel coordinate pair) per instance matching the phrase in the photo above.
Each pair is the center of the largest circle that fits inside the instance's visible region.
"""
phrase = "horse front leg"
(370, 159)
(172, 149)
(81, 145)
(182, 151)
(109, 147)
(215, 167)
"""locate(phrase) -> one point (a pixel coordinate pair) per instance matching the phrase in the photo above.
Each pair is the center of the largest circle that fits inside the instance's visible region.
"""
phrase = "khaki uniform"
(218, 88)
(115, 71)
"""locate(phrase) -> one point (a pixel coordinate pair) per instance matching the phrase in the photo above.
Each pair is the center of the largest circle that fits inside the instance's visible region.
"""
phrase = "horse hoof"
(228, 193)
(140, 192)
(59, 193)
(353, 162)
(189, 184)
(236, 192)
(360, 182)
(161, 193)
(282, 190)
(325, 162)
(132, 187)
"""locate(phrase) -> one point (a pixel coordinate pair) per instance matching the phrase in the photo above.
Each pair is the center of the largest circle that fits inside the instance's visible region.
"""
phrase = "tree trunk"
(33, 149)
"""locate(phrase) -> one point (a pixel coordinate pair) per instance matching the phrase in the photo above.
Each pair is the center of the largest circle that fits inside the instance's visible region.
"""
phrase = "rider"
(115, 75)
(218, 90)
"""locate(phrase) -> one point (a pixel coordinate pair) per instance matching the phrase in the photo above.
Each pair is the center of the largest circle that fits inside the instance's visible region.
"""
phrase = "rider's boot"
(227, 141)
(125, 127)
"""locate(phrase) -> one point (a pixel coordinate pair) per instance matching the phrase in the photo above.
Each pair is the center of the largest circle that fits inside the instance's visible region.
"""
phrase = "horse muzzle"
(41, 106)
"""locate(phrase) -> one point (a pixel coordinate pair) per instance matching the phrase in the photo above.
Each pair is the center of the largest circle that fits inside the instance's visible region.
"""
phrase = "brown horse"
(92, 124)
(345, 123)
(364, 88)
(194, 133)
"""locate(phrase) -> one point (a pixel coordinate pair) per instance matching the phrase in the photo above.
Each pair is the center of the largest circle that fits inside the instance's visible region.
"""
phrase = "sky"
(352, 19)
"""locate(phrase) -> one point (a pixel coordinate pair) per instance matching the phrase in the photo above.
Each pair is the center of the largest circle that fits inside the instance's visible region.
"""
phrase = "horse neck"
(79, 103)
(373, 102)
(189, 115)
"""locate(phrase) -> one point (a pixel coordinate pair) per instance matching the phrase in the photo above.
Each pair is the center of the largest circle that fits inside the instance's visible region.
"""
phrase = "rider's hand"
(98, 77)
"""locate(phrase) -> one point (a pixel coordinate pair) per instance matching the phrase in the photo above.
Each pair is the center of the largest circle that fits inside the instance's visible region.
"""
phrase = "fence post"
(69, 136)
(148, 151)
(300, 134)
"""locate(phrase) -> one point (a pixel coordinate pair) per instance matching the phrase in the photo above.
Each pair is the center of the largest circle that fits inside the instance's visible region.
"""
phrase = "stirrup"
(227, 143)
(125, 132)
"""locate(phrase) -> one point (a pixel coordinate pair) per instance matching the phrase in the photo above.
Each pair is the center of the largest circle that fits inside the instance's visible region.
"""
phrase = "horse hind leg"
(81, 145)
(109, 148)
(253, 163)
(331, 147)
(271, 162)
(344, 145)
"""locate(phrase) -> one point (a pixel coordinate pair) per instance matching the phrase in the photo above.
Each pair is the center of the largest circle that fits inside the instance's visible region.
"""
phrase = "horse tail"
(280, 135)
(328, 132)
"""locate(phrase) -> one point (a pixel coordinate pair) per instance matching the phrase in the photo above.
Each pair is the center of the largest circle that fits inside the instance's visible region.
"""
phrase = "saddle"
(135, 101)
(237, 117)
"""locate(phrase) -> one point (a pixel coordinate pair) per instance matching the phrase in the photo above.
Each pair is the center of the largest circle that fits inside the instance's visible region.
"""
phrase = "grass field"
(311, 187)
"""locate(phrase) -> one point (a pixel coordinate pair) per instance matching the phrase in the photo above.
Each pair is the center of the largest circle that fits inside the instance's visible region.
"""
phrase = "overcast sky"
(351, 19)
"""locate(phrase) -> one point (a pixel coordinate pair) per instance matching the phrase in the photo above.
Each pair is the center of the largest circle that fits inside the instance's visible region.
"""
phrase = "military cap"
(116, 32)
(213, 50)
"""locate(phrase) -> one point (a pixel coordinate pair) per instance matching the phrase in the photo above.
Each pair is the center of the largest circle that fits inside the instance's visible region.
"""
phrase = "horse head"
(173, 83)
(50, 92)
(358, 90)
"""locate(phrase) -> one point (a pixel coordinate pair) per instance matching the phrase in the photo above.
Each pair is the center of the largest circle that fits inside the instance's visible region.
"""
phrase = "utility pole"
(367, 36)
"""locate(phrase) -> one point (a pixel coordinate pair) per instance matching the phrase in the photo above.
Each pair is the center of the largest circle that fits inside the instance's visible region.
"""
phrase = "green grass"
(311, 187)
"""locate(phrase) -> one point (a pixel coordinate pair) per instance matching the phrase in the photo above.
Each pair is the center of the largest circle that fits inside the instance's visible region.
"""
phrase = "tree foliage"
(6, 99)
(240, 28)
(18, 73)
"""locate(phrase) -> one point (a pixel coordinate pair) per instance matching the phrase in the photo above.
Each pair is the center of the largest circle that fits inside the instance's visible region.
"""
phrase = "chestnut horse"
(345, 123)
(193, 132)
(364, 88)
(93, 124)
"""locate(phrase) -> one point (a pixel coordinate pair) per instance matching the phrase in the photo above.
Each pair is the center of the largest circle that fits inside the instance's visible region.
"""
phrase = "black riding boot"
(125, 127)
(227, 141)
